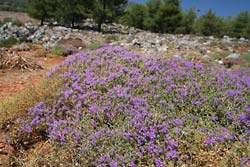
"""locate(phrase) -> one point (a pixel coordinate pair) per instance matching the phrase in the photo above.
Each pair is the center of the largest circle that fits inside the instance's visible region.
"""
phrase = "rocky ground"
(23, 17)
(31, 58)
(201, 48)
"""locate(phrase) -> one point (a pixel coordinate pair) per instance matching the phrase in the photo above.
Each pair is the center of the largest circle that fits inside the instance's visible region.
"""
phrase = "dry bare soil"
(23, 17)
(13, 81)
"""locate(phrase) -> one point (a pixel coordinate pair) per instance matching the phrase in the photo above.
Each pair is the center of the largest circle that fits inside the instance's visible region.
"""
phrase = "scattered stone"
(21, 47)
(226, 39)
(233, 56)
(177, 56)
(149, 42)
(242, 39)
(219, 62)
(211, 37)
(32, 28)
(203, 51)
(135, 42)
(162, 48)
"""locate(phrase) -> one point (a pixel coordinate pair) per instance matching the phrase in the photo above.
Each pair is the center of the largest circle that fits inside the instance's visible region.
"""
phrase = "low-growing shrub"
(111, 38)
(216, 56)
(56, 51)
(8, 42)
(119, 108)
(73, 42)
(62, 50)
(14, 22)
(94, 45)
(245, 56)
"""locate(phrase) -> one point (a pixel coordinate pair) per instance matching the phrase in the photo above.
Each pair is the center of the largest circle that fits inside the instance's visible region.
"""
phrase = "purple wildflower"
(158, 162)
(113, 164)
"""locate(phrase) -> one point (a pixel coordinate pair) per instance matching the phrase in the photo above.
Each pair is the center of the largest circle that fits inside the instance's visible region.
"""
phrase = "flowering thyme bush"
(119, 108)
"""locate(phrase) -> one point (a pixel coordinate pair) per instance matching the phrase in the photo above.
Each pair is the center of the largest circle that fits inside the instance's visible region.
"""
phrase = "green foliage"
(56, 51)
(42, 9)
(246, 56)
(94, 45)
(227, 27)
(168, 16)
(152, 7)
(14, 22)
(209, 24)
(13, 5)
(216, 56)
(107, 10)
(188, 20)
(241, 25)
(134, 15)
(72, 11)
(8, 42)
(163, 16)
(16, 3)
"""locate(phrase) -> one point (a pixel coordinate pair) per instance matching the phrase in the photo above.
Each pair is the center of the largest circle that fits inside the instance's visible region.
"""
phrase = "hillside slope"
(19, 5)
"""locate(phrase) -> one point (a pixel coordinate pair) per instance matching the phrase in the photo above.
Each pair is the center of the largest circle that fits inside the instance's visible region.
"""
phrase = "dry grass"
(14, 107)
(14, 60)
(23, 17)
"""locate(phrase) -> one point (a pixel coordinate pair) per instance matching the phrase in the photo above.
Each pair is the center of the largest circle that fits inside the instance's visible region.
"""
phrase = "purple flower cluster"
(126, 109)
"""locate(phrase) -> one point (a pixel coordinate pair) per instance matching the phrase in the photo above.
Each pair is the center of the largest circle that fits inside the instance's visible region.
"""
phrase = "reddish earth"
(23, 17)
(14, 80)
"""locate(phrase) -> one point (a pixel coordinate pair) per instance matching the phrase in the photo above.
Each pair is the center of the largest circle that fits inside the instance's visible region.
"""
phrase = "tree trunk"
(73, 22)
(42, 21)
(99, 26)
(103, 17)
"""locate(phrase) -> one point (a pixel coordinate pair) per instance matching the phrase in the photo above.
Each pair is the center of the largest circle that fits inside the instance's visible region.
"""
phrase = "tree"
(227, 26)
(168, 16)
(152, 8)
(14, 5)
(187, 23)
(107, 10)
(241, 25)
(209, 24)
(42, 9)
(246, 31)
(72, 11)
(134, 15)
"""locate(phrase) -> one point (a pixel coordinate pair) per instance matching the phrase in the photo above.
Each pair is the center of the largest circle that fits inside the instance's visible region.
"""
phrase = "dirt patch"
(14, 80)
(15, 61)
(23, 17)
(73, 42)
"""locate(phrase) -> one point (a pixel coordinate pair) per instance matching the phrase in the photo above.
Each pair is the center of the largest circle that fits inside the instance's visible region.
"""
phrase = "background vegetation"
(13, 5)
(164, 16)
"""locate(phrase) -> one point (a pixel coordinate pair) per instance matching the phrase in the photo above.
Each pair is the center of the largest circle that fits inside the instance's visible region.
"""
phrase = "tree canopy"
(42, 9)
(209, 24)
(107, 10)
(165, 16)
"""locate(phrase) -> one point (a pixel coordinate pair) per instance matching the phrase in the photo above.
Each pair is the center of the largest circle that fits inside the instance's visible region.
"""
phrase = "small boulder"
(21, 47)
(233, 56)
